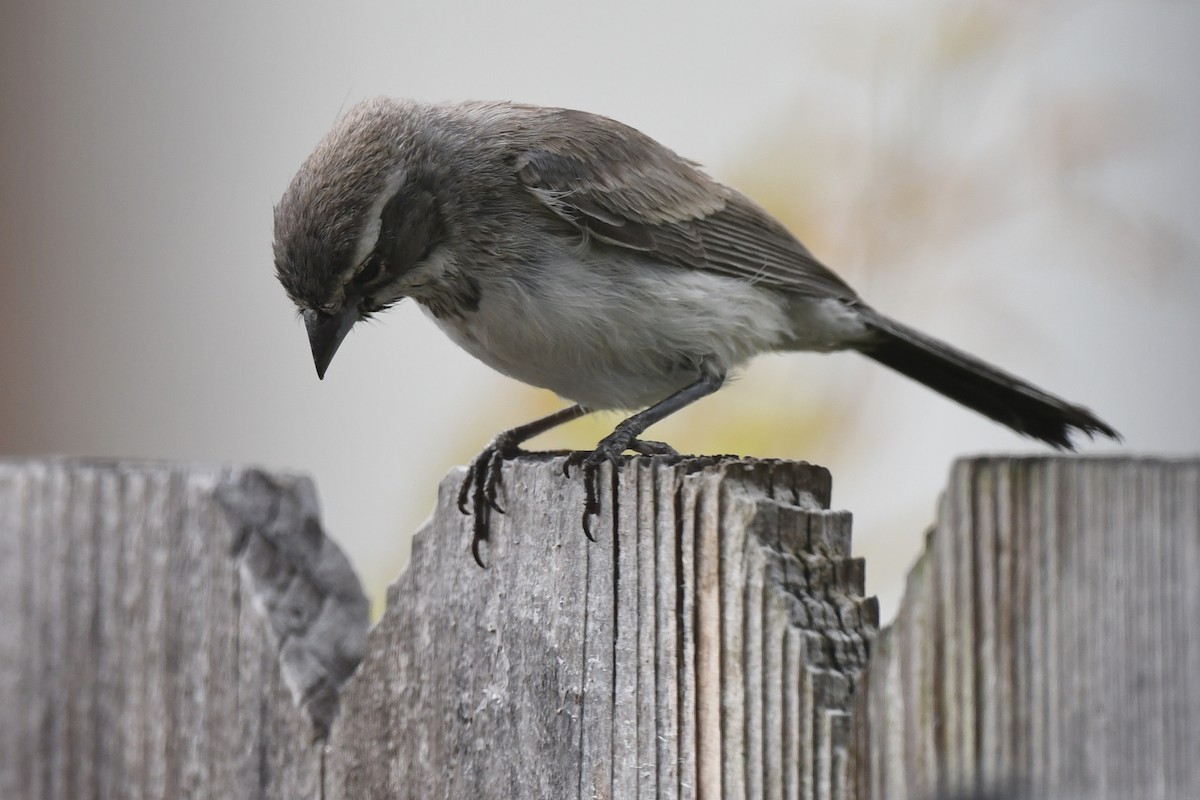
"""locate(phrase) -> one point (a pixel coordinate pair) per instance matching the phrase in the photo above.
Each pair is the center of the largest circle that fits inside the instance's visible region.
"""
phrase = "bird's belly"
(617, 335)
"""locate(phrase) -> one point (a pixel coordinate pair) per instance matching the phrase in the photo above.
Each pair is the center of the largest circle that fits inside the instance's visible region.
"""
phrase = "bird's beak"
(325, 333)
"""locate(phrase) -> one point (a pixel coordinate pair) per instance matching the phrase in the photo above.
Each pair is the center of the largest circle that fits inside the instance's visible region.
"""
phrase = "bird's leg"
(624, 437)
(483, 475)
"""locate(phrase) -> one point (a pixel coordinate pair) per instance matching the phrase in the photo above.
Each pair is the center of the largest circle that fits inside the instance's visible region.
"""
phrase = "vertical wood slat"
(1047, 638)
(670, 699)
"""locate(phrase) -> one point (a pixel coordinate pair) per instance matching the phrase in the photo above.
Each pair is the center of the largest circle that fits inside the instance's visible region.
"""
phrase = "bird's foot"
(480, 487)
(609, 450)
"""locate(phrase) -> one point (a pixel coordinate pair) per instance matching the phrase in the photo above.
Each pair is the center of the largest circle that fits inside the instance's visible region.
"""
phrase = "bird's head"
(358, 220)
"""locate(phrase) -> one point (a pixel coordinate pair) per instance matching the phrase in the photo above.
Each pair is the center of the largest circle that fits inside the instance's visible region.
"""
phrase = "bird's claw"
(478, 495)
(483, 475)
(590, 465)
(609, 450)
(480, 488)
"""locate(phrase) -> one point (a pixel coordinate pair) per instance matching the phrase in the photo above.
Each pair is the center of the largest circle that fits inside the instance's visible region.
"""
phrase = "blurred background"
(1019, 178)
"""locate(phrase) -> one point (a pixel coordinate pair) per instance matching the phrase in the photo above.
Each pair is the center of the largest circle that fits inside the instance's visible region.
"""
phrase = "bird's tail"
(990, 391)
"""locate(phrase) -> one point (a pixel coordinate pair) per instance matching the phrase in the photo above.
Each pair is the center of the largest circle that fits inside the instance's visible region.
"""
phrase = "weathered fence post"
(1048, 642)
(156, 622)
(704, 646)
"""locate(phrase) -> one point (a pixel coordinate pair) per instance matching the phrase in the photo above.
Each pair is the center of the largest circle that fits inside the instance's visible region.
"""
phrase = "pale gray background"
(1019, 178)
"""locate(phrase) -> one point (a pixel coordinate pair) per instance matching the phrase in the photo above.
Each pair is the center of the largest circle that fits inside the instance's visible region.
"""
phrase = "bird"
(572, 252)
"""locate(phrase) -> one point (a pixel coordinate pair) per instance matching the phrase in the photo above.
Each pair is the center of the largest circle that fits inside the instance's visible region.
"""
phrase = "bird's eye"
(372, 273)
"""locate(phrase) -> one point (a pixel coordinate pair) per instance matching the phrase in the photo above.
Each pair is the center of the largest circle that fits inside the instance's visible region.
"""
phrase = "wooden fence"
(172, 631)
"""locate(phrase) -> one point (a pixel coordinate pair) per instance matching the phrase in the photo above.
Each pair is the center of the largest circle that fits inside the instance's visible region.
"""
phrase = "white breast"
(616, 333)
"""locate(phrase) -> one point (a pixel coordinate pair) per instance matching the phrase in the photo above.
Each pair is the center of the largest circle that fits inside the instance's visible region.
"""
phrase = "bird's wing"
(623, 188)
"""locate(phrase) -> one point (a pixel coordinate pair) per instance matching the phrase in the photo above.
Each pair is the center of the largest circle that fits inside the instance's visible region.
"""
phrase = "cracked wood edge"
(131, 664)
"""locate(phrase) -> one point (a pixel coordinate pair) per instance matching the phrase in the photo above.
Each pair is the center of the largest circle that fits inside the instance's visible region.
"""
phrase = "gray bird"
(572, 252)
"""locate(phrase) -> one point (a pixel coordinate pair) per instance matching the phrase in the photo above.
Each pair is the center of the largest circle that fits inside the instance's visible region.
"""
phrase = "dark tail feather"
(990, 391)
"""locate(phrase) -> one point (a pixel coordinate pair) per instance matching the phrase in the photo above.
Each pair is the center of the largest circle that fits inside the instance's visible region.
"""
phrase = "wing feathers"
(625, 189)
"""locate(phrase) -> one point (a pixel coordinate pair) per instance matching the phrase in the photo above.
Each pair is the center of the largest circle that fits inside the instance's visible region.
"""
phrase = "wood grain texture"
(704, 646)
(132, 664)
(1048, 639)
(173, 631)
